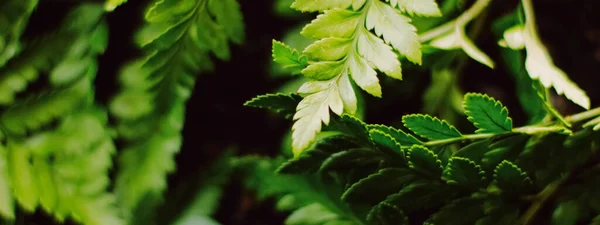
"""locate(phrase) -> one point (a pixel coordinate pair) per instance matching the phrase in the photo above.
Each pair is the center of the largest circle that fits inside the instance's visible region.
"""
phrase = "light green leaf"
(322, 5)
(540, 67)
(430, 127)
(424, 160)
(463, 171)
(110, 5)
(513, 38)
(395, 28)
(364, 76)
(336, 22)
(323, 70)
(487, 114)
(471, 49)
(329, 49)
(23, 181)
(417, 7)
(7, 208)
(288, 58)
(311, 112)
(377, 53)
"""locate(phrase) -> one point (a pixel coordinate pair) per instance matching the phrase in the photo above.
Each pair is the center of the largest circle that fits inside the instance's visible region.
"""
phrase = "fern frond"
(14, 15)
(352, 42)
(179, 37)
(66, 170)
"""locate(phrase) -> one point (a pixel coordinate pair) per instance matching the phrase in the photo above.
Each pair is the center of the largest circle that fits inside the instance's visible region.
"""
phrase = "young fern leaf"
(346, 48)
(179, 37)
(487, 114)
(289, 58)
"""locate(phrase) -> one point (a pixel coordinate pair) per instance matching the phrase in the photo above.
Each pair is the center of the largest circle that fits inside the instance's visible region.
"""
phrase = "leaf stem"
(462, 20)
(576, 118)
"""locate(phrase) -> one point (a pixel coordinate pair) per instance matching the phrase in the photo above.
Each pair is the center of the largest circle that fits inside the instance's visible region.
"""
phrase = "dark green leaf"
(511, 179)
(376, 187)
(567, 213)
(387, 144)
(284, 104)
(430, 127)
(351, 158)
(400, 136)
(508, 148)
(424, 160)
(386, 214)
(420, 195)
(473, 151)
(463, 171)
(487, 114)
(310, 161)
(463, 211)
(350, 126)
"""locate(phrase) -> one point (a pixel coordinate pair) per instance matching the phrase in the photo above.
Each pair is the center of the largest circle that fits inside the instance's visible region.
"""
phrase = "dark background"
(216, 119)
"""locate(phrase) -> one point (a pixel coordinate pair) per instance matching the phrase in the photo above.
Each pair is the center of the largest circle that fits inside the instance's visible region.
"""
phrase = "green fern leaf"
(35, 112)
(386, 143)
(464, 211)
(369, 189)
(345, 48)
(430, 127)
(386, 214)
(7, 207)
(289, 58)
(310, 161)
(179, 37)
(487, 114)
(280, 103)
(463, 171)
(352, 158)
(22, 180)
(419, 195)
(14, 15)
(511, 179)
(424, 160)
(400, 136)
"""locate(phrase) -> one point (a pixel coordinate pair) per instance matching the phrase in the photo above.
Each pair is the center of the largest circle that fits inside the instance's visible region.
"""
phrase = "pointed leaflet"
(399, 136)
(424, 160)
(369, 189)
(430, 127)
(386, 143)
(487, 114)
(279, 103)
(395, 28)
(379, 54)
(288, 58)
(463, 171)
(511, 179)
(329, 49)
(386, 214)
(337, 22)
(417, 7)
